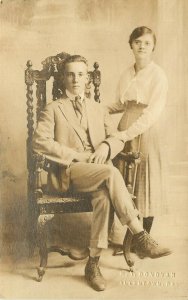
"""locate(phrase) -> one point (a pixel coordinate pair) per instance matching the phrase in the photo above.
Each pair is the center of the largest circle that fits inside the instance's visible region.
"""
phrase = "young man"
(75, 132)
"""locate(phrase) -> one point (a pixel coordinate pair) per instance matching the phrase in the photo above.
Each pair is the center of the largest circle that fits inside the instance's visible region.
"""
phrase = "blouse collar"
(148, 66)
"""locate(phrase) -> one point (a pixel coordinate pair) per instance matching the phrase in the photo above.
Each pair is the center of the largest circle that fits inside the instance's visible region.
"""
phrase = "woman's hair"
(139, 31)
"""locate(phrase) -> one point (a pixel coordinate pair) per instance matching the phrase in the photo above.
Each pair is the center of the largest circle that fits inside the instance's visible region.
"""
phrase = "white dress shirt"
(72, 96)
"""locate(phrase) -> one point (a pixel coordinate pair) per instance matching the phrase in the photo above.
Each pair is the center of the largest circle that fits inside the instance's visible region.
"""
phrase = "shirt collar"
(72, 96)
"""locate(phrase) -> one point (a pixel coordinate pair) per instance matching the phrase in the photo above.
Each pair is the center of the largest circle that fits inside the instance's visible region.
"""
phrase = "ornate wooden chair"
(42, 205)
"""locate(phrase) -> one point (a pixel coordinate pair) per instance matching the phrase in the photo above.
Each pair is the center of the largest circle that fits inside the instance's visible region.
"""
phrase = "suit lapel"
(92, 121)
(68, 112)
(91, 113)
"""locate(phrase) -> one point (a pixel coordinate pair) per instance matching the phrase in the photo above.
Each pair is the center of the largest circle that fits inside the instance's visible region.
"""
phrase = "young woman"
(141, 95)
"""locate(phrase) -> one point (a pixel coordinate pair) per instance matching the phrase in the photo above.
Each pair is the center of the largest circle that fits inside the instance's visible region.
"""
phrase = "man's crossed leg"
(108, 188)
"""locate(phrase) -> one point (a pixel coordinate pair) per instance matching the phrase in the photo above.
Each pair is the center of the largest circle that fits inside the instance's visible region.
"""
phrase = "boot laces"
(147, 239)
(96, 269)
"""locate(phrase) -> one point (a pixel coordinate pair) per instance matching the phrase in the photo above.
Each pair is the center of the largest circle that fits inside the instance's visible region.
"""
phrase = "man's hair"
(140, 31)
(74, 58)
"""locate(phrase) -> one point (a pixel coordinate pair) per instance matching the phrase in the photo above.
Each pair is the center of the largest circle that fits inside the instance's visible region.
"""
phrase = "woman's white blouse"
(149, 86)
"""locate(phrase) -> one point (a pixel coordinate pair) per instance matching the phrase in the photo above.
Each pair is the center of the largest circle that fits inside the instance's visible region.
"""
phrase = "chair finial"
(96, 65)
(29, 64)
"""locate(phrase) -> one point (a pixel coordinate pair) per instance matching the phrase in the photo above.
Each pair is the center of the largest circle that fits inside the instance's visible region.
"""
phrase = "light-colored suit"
(59, 136)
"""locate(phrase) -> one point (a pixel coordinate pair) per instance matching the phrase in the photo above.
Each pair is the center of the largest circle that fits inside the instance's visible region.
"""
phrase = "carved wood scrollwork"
(96, 81)
(43, 219)
(88, 85)
(41, 96)
(29, 80)
(42, 243)
(53, 65)
(39, 162)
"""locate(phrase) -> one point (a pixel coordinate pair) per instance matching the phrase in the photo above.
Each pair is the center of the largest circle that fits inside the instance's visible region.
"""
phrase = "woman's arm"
(116, 107)
(150, 114)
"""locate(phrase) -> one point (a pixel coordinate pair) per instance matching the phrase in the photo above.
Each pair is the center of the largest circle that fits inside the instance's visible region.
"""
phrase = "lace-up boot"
(93, 274)
(145, 246)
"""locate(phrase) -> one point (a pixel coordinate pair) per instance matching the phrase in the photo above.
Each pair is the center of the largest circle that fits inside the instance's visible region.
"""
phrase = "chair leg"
(42, 243)
(126, 249)
(32, 231)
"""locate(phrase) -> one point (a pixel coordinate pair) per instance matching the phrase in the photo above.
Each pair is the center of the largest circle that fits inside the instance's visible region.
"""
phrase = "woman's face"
(143, 46)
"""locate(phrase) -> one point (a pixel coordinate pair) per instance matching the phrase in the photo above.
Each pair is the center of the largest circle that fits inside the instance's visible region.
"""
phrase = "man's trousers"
(108, 188)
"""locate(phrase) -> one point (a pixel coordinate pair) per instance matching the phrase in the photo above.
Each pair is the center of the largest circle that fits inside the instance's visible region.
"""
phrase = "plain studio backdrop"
(98, 30)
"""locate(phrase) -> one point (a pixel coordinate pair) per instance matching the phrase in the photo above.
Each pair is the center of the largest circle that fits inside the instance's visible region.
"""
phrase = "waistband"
(136, 105)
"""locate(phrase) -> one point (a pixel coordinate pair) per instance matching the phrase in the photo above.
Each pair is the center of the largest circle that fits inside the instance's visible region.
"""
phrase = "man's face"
(143, 46)
(75, 77)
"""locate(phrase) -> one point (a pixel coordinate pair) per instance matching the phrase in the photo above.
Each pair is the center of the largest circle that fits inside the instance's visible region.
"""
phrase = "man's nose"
(75, 78)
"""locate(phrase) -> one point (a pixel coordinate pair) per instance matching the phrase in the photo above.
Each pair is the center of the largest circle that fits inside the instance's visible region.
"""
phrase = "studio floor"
(164, 278)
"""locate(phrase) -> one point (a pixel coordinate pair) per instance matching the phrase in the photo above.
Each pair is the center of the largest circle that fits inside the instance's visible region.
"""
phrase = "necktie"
(78, 107)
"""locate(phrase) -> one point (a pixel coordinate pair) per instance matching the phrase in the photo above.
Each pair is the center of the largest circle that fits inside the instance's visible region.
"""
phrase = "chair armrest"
(127, 164)
(40, 164)
(130, 157)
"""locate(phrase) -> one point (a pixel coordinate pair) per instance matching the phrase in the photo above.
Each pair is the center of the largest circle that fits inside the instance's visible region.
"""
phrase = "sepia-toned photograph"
(94, 149)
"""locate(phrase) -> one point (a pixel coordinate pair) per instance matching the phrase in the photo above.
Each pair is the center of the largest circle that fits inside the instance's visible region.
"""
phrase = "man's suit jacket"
(58, 136)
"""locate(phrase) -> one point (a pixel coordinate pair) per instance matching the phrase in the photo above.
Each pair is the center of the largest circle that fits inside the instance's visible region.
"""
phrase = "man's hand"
(100, 155)
(82, 156)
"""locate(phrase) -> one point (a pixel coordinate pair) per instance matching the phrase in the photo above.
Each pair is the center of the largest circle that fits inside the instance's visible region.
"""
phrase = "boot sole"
(145, 256)
(94, 287)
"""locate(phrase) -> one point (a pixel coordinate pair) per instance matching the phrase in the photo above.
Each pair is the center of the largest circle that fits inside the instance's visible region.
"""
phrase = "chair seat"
(64, 203)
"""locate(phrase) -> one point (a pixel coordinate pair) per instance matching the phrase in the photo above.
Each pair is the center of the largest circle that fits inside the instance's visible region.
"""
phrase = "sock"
(147, 223)
(95, 252)
(135, 226)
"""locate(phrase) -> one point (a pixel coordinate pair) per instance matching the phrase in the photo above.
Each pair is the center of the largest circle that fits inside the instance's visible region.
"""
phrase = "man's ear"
(87, 78)
(62, 77)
